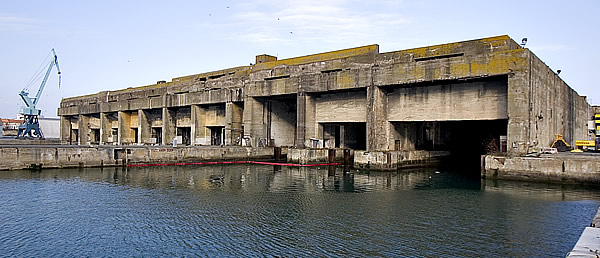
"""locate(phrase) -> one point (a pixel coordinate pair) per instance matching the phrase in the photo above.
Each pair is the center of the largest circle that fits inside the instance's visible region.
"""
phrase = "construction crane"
(30, 128)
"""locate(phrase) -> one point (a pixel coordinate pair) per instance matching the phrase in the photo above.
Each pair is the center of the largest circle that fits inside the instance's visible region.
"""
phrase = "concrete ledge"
(36, 157)
(588, 244)
(307, 156)
(389, 160)
(562, 168)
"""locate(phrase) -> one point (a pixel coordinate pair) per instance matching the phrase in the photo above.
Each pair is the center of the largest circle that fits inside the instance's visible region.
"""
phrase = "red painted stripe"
(234, 162)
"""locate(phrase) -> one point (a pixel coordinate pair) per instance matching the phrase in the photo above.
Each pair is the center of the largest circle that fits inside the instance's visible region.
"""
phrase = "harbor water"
(260, 210)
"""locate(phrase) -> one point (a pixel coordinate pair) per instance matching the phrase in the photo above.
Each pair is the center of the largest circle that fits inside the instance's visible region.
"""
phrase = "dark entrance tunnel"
(465, 140)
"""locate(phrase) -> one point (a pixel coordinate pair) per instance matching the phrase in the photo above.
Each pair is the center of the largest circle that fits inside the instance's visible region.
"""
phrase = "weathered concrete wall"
(386, 160)
(556, 108)
(283, 122)
(341, 107)
(551, 168)
(462, 101)
(63, 157)
(308, 156)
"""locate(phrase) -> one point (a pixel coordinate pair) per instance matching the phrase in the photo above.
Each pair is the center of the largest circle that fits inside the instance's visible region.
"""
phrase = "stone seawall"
(561, 168)
(25, 157)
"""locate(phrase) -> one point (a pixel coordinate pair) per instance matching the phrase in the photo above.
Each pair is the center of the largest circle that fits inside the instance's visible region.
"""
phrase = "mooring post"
(346, 160)
(277, 153)
(331, 155)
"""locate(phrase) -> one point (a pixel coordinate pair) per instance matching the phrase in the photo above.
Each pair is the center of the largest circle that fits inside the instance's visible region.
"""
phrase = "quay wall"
(35, 157)
(561, 168)
(588, 244)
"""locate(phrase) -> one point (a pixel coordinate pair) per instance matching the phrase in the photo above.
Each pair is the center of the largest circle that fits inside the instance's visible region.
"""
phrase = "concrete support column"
(233, 123)
(124, 134)
(169, 127)
(65, 130)
(300, 119)
(105, 128)
(84, 130)
(310, 121)
(377, 125)
(518, 112)
(144, 130)
(198, 126)
(254, 120)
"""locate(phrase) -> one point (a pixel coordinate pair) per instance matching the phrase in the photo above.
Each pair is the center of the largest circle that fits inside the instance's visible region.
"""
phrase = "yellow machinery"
(560, 144)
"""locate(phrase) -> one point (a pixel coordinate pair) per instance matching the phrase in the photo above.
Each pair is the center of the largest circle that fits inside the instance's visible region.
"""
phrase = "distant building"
(11, 126)
(485, 93)
(50, 126)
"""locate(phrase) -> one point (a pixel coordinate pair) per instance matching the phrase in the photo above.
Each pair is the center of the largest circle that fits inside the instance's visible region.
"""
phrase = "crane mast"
(30, 128)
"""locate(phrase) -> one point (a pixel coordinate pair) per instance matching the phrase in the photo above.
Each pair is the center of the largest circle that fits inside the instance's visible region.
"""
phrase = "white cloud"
(310, 20)
(18, 24)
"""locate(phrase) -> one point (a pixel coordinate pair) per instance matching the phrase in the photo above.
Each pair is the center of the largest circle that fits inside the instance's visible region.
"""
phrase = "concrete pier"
(48, 156)
(578, 168)
(588, 244)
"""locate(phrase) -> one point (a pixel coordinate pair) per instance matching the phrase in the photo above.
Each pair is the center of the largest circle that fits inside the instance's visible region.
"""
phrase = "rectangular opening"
(134, 135)
(438, 57)
(184, 133)
(203, 79)
(157, 135)
(74, 137)
(95, 136)
(216, 76)
(332, 70)
(277, 77)
(216, 135)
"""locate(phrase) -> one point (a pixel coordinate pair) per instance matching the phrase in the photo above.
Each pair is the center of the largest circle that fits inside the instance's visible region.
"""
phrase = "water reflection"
(257, 210)
(306, 179)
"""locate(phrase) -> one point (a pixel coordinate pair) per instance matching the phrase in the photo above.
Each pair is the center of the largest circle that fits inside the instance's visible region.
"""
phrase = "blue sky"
(109, 45)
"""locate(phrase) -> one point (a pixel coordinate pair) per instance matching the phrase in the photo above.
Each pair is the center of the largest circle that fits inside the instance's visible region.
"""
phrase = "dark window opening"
(216, 76)
(277, 77)
(332, 71)
(157, 135)
(134, 135)
(216, 135)
(95, 135)
(185, 133)
(438, 57)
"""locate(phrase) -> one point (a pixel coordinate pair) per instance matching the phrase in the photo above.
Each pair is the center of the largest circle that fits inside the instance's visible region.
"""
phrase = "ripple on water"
(259, 210)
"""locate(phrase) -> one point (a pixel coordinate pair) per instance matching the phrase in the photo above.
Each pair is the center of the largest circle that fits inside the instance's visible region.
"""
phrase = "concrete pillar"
(144, 127)
(198, 132)
(105, 128)
(300, 119)
(124, 134)
(65, 130)
(310, 121)
(377, 125)
(519, 112)
(233, 123)
(254, 120)
(84, 130)
(169, 126)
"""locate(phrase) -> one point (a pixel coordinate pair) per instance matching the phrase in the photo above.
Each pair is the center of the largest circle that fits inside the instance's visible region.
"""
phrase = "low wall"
(307, 156)
(388, 160)
(76, 156)
(563, 168)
